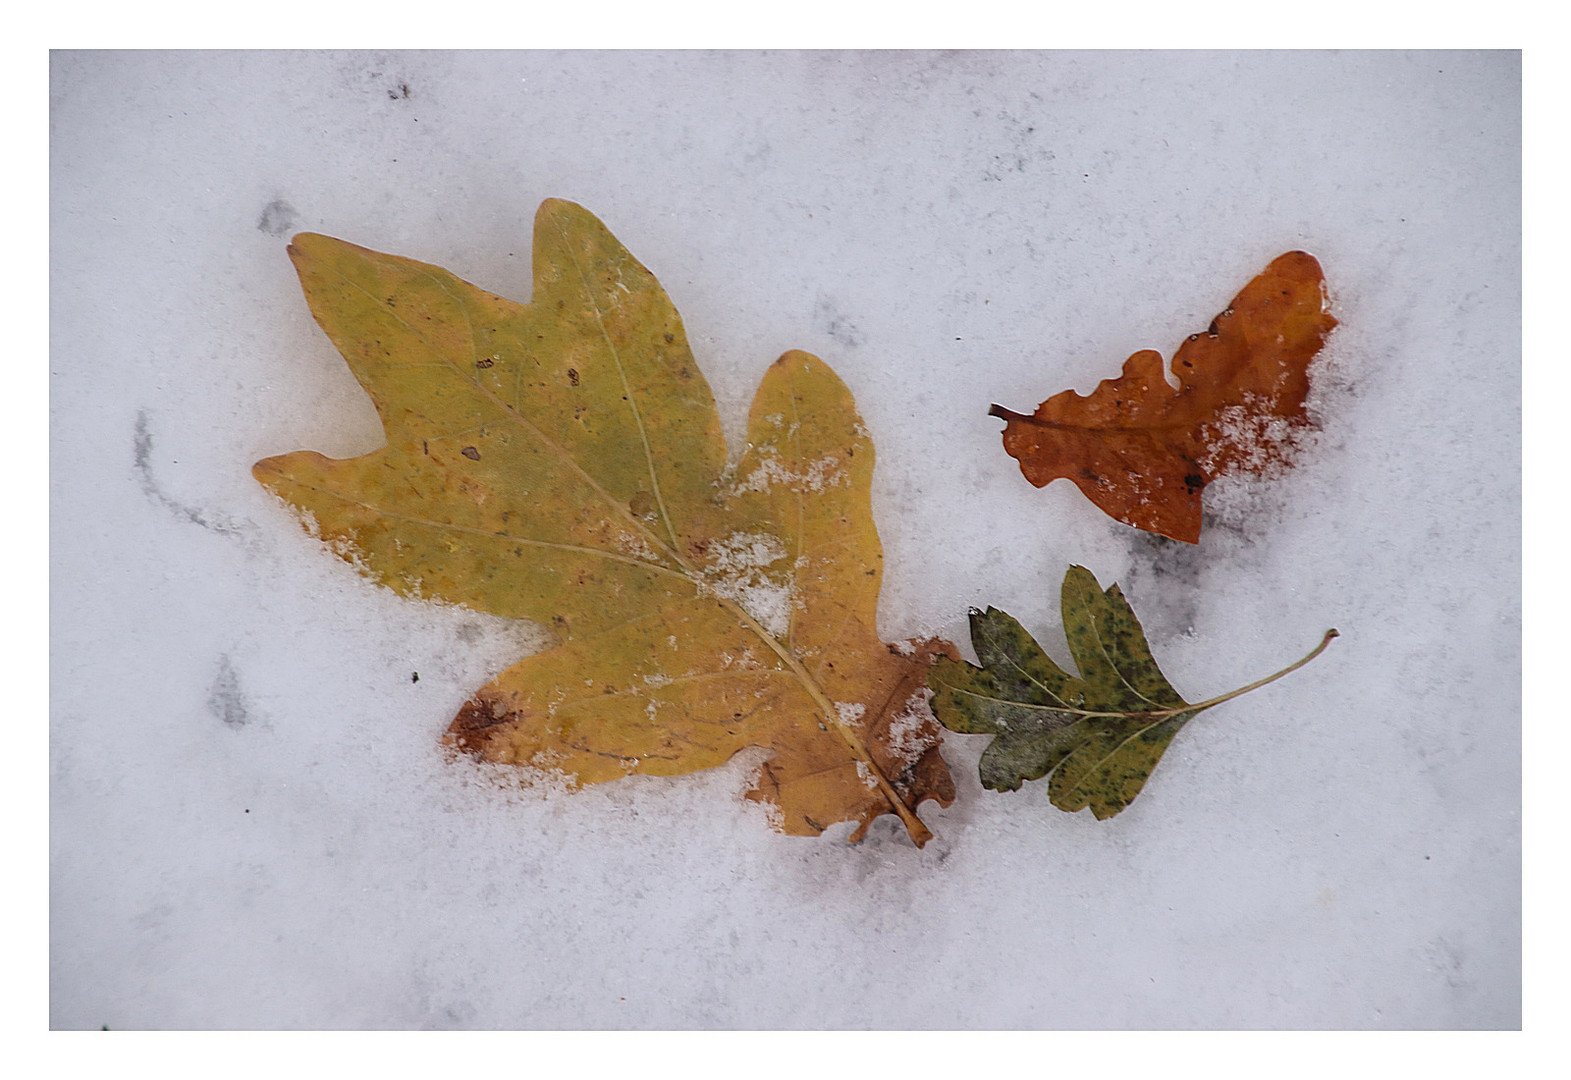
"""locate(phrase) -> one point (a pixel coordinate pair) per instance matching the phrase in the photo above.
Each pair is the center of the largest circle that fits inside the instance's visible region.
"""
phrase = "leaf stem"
(1163, 714)
(1258, 683)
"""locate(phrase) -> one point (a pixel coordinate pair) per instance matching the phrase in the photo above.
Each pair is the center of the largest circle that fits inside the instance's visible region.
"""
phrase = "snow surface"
(251, 824)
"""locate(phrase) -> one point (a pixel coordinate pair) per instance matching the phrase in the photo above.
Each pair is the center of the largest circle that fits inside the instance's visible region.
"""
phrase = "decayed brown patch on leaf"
(1143, 451)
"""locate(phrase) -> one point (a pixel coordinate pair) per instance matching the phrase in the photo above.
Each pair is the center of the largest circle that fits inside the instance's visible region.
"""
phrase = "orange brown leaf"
(1143, 451)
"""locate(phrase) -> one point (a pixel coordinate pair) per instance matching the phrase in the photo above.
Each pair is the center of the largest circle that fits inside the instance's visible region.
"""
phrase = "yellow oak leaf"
(563, 461)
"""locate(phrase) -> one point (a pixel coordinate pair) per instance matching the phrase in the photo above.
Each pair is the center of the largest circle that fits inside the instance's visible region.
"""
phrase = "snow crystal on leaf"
(636, 546)
(868, 779)
(738, 570)
(906, 738)
(850, 712)
(816, 476)
(1249, 438)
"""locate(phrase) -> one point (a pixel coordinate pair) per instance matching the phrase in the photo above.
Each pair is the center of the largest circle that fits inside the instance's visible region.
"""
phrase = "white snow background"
(251, 825)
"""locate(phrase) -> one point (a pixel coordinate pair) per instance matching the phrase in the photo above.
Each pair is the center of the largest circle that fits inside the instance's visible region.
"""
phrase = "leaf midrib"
(1159, 715)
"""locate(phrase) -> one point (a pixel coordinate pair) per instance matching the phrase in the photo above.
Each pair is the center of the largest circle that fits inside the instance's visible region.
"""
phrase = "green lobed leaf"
(1099, 735)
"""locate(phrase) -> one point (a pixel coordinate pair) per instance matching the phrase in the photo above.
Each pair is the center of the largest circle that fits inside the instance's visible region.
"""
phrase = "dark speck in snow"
(278, 218)
(225, 699)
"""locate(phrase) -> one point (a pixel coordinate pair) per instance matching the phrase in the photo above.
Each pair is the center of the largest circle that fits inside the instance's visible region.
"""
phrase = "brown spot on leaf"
(476, 716)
